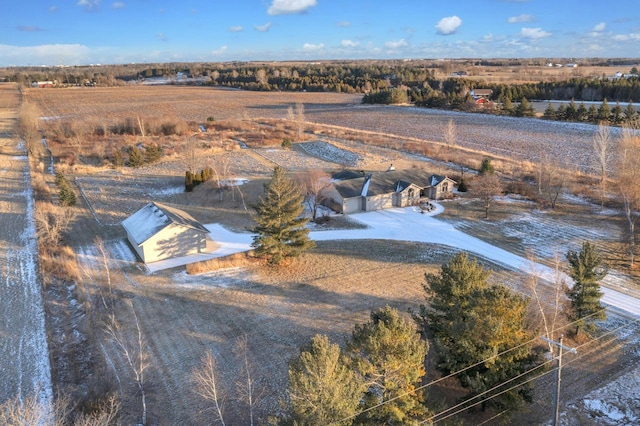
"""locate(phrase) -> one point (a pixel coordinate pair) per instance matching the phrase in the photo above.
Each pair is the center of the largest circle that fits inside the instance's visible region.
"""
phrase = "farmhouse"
(158, 232)
(375, 191)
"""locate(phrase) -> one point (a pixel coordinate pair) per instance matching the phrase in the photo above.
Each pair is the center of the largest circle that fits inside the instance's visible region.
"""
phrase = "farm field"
(330, 288)
(516, 138)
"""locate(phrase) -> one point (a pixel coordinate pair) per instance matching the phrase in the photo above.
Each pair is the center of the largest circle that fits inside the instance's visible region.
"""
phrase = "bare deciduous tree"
(601, 143)
(133, 349)
(450, 133)
(205, 379)
(487, 186)
(312, 185)
(52, 222)
(300, 120)
(247, 387)
(141, 126)
(190, 155)
(549, 301)
(628, 181)
(551, 180)
(28, 125)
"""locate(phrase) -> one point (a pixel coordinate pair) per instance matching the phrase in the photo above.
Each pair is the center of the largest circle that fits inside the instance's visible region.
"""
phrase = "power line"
(433, 382)
(583, 354)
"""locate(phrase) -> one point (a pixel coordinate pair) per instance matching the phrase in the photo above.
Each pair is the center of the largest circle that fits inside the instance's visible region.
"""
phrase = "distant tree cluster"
(594, 114)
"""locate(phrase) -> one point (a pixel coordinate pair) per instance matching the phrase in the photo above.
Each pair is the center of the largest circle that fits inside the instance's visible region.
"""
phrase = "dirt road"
(24, 355)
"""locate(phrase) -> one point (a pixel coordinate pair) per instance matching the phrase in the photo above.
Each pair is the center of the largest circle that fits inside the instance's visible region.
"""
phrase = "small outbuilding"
(157, 232)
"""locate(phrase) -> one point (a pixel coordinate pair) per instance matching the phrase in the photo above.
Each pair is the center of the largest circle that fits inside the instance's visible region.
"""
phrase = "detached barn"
(158, 232)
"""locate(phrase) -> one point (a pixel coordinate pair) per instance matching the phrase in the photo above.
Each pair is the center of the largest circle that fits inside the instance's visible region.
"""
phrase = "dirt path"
(24, 356)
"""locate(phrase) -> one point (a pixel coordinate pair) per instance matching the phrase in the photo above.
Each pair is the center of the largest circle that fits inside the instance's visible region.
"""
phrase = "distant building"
(382, 190)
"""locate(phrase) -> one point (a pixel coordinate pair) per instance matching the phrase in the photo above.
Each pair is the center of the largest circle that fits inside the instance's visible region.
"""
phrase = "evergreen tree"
(153, 153)
(592, 114)
(280, 230)
(507, 105)
(581, 113)
(66, 196)
(604, 112)
(136, 158)
(586, 268)
(629, 112)
(549, 112)
(561, 114)
(390, 354)
(470, 322)
(322, 388)
(486, 168)
(571, 112)
(188, 181)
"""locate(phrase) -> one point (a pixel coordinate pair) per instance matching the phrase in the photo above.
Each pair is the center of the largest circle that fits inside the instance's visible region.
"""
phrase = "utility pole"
(558, 374)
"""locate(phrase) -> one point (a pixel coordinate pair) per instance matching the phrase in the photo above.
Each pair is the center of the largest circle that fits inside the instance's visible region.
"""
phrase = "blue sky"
(79, 32)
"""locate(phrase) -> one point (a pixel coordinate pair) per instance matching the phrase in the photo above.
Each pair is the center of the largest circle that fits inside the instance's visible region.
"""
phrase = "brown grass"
(231, 261)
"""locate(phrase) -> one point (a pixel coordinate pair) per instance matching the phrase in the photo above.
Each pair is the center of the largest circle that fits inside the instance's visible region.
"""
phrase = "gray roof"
(154, 217)
(384, 182)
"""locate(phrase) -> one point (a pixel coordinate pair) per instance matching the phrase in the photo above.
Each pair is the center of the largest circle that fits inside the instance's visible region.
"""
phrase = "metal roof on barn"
(154, 217)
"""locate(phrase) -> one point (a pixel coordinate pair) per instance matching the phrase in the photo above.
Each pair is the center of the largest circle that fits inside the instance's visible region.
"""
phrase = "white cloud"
(343, 24)
(117, 5)
(448, 25)
(89, 5)
(53, 9)
(219, 51)
(600, 27)
(534, 33)
(396, 44)
(287, 7)
(594, 48)
(309, 47)
(48, 54)
(627, 37)
(236, 29)
(349, 43)
(263, 28)
(520, 19)
(162, 37)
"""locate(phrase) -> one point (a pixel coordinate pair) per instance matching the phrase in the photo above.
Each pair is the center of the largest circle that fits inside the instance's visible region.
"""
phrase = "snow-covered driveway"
(403, 224)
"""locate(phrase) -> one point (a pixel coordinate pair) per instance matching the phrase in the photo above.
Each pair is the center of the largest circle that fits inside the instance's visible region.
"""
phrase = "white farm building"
(157, 232)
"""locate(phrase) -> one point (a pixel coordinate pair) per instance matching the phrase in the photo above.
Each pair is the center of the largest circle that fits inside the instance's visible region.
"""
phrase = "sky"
(83, 32)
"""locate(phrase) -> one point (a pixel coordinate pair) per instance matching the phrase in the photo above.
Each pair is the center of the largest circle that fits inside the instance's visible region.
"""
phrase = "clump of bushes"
(139, 156)
(192, 180)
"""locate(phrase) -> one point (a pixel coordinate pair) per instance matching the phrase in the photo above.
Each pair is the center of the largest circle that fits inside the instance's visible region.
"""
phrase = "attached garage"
(157, 232)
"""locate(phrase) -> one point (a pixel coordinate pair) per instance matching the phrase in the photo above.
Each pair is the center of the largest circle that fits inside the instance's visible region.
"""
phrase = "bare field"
(184, 102)
(328, 290)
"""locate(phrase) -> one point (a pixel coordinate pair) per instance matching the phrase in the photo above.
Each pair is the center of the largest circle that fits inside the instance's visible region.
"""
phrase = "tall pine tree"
(471, 322)
(390, 354)
(587, 269)
(280, 230)
(322, 388)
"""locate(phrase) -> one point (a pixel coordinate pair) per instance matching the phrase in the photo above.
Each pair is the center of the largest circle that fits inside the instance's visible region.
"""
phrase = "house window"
(411, 193)
(445, 187)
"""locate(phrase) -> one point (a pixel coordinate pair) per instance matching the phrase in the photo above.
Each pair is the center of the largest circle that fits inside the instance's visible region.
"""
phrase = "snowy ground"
(404, 224)
(24, 356)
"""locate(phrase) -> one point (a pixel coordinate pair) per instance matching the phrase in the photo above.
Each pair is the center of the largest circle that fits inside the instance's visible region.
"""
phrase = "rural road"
(24, 356)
